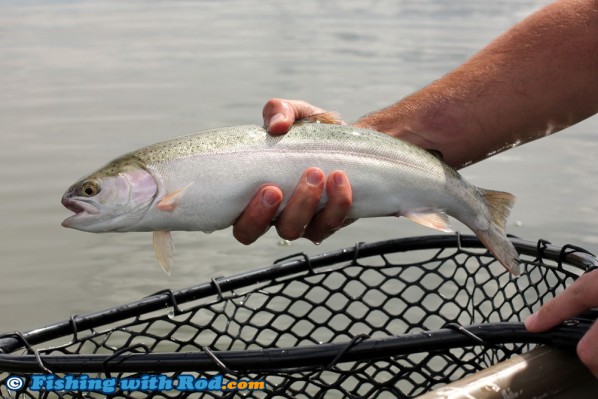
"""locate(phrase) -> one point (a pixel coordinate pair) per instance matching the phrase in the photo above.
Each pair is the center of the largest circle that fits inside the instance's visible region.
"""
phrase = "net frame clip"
(569, 249)
(121, 351)
(302, 255)
(20, 337)
(218, 362)
(354, 341)
(356, 248)
(474, 337)
(172, 302)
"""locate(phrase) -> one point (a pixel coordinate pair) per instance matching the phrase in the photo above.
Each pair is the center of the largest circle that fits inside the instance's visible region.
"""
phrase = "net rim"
(299, 263)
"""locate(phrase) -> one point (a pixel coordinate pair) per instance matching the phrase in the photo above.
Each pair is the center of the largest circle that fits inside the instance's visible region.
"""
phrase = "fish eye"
(90, 188)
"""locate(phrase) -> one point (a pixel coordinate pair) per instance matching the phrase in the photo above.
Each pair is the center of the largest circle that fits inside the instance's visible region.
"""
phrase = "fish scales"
(259, 159)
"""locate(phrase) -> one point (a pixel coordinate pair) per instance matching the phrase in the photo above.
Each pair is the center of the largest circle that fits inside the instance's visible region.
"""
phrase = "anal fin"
(433, 218)
(164, 248)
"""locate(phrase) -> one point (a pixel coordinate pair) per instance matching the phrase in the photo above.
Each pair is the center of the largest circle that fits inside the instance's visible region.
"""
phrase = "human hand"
(279, 115)
(578, 297)
(300, 217)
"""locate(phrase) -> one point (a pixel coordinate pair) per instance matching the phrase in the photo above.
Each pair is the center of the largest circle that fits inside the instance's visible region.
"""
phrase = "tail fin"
(495, 238)
(499, 204)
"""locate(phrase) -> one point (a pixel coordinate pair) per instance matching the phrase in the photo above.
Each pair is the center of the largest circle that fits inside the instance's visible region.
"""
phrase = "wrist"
(430, 124)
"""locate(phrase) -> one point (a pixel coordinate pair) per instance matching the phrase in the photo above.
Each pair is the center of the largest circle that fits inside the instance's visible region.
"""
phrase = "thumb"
(280, 114)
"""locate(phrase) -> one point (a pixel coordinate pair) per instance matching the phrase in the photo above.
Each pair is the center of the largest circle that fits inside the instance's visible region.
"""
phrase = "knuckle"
(270, 105)
(588, 358)
(582, 292)
(243, 237)
(322, 229)
(248, 231)
(317, 238)
(331, 225)
(289, 232)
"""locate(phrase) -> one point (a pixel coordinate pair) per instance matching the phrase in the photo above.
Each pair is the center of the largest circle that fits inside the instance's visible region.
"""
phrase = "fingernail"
(269, 198)
(314, 178)
(339, 179)
(276, 118)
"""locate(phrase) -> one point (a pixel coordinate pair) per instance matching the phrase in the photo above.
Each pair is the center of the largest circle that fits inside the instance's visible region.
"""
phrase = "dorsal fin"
(330, 118)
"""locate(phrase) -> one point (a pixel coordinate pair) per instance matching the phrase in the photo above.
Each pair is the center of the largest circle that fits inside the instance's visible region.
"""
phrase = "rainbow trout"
(203, 181)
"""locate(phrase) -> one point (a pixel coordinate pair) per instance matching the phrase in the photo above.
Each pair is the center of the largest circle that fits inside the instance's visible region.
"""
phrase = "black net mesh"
(376, 291)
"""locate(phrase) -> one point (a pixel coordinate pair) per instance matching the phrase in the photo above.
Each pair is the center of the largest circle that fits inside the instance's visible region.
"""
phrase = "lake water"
(83, 82)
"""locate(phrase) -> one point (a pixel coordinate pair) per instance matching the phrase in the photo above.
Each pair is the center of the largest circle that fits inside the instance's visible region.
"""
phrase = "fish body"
(203, 181)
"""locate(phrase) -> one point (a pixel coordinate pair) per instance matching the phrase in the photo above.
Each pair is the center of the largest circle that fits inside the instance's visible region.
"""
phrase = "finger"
(257, 216)
(587, 349)
(280, 114)
(333, 216)
(579, 296)
(302, 205)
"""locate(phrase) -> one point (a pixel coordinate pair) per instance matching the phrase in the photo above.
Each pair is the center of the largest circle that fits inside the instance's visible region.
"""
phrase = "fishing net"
(389, 319)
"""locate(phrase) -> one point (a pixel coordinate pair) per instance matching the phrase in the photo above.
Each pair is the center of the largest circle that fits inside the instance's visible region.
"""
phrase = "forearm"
(536, 79)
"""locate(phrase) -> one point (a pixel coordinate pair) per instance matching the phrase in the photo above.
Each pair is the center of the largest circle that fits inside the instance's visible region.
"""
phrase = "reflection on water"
(83, 82)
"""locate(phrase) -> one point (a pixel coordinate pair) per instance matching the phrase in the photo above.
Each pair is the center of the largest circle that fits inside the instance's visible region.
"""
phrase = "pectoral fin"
(164, 248)
(434, 218)
(171, 200)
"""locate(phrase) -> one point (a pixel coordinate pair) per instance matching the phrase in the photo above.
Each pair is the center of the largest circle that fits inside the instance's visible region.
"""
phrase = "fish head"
(114, 198)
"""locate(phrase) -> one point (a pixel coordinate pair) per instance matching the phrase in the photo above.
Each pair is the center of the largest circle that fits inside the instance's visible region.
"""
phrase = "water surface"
(83, 82)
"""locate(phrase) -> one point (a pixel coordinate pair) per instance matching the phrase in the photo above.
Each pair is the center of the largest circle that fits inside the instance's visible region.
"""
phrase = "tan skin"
(537, 78)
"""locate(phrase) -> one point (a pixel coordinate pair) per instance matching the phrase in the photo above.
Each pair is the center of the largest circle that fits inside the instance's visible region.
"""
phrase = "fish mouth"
(80, 208)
